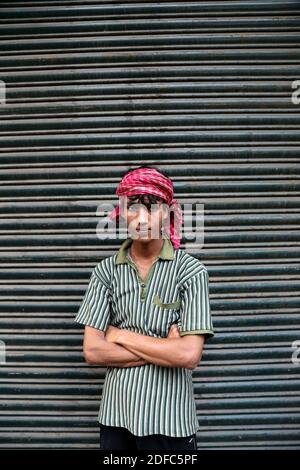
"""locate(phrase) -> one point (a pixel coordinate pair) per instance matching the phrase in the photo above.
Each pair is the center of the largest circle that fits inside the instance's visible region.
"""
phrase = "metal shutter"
(203, 90)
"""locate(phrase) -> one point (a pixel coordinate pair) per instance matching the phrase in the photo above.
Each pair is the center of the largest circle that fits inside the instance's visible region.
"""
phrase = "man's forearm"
(110, 354)
(166, 352)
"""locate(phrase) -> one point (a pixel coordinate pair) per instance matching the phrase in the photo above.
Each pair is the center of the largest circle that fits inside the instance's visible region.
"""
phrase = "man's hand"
(112, 334)
(173, 331)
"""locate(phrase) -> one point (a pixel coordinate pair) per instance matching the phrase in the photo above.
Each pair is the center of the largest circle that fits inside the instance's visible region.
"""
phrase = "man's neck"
(146, 251)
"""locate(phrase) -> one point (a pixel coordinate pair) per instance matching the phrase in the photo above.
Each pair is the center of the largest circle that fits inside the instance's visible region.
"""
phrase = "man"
(146, 311)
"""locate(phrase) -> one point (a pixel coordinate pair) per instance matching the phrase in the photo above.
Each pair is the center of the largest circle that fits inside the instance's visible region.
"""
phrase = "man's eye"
(155, 207)
(137, 206)
(134, 207)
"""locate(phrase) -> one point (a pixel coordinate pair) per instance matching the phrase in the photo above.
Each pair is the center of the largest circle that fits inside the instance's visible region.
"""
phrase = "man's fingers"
(173, 331)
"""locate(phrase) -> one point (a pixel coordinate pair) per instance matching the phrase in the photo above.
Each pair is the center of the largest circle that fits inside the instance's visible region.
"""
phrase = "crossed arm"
(122, 348)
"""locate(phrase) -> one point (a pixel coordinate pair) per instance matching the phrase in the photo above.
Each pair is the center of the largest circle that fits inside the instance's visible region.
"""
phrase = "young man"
(146, 314)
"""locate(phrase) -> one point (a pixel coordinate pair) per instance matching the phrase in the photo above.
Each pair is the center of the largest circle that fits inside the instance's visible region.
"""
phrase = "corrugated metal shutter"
(203, 90)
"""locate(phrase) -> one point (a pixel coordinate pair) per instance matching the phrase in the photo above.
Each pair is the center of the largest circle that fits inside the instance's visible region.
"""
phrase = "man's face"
(144, 215)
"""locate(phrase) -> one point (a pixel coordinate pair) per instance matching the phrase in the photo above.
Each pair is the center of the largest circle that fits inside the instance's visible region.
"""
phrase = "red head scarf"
(151, 181)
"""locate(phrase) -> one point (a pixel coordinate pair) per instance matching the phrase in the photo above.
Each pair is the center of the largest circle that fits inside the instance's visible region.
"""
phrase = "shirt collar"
(167, 251)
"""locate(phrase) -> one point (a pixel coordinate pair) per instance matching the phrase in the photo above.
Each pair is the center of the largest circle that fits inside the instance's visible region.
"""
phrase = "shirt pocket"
(168, 305)
(164, 314)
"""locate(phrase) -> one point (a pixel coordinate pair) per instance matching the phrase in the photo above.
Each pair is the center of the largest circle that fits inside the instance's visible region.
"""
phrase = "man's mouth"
(142, 231)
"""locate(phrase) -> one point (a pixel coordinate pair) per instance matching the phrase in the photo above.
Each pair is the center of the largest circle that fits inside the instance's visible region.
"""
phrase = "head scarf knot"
(151, 181)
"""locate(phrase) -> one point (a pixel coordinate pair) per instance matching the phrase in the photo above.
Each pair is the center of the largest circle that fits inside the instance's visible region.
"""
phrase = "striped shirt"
(149, 399)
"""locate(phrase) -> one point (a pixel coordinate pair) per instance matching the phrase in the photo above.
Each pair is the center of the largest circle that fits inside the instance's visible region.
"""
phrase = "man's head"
(146, 203)
(144, 215)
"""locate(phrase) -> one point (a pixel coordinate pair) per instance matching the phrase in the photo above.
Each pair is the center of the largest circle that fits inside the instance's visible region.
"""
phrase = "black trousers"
(116, 438)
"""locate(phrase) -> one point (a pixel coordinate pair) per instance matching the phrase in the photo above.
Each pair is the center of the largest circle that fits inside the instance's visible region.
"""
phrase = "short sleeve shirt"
(149, 399)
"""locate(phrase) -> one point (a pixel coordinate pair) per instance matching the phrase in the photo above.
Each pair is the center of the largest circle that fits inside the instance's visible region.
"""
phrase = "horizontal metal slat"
(158, 8)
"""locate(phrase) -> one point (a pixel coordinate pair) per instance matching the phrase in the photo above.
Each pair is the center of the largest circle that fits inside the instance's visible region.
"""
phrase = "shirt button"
(143, 285)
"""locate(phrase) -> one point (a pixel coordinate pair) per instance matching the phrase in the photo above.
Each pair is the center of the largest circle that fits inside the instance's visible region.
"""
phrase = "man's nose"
(143, 215)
